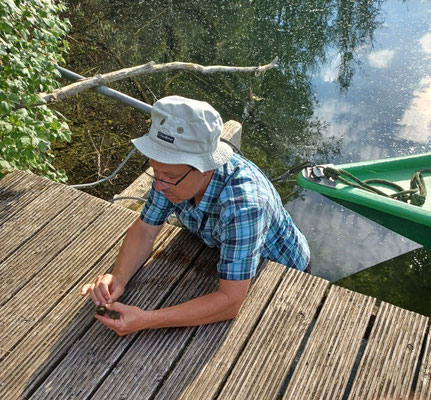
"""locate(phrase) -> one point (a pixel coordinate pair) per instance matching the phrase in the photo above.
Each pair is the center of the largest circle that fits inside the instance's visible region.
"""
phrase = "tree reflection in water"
(277, 109)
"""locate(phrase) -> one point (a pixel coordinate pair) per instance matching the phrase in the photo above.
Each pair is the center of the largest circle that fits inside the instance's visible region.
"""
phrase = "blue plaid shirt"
(242, 214)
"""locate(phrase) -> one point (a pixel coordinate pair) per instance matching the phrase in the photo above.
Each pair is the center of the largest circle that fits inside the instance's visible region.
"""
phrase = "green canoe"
(409, 220)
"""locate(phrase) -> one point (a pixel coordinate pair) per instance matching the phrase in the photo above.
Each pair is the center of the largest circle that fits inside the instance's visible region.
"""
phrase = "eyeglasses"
(170, 183)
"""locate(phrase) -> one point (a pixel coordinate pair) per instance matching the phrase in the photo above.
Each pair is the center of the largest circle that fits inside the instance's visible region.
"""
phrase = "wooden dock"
(296, 337)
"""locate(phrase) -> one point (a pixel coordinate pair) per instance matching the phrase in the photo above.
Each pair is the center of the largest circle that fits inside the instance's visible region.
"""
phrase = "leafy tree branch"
(31, 34)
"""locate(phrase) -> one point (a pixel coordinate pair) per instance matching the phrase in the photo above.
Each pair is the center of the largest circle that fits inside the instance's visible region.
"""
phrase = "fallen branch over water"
(151, 67)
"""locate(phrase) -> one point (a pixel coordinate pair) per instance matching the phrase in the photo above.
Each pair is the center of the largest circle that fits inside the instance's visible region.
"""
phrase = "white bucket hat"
(185, 131)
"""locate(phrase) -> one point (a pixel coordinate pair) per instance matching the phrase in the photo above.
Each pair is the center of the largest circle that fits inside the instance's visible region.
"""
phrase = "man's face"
(167, 175)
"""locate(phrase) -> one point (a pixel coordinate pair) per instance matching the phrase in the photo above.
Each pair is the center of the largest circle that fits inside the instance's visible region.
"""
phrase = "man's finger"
(109, 322)
(95, 296)
(116, 306)
(85, 289)
(113, 324)
(116, 293)
(104, 291)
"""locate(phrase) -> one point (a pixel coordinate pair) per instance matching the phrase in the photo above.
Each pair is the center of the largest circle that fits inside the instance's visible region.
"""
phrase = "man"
(221, 197)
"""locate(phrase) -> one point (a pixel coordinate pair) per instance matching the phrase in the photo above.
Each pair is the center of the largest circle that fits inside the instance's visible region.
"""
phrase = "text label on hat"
(166, 138)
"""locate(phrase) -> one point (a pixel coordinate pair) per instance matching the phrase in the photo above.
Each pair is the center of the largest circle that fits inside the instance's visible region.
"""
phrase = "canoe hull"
(413, 222)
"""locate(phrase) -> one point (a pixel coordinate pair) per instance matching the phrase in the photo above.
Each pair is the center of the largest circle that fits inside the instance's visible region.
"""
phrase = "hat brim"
(203, 162)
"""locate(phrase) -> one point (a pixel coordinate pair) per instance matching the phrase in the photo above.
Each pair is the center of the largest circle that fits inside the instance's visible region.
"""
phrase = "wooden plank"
(389, 361)
(155, 351)
(328, 358)
(14, 184)
(32, 217)
(34, 301)
(423, 387)
(141, 186)
(209, 357)
(10, 178)
(138, 188)
(17, 183)
(262, 367)
(92, 358)
(18, 189)
(31, 361)
(23, 265)
(232, 131)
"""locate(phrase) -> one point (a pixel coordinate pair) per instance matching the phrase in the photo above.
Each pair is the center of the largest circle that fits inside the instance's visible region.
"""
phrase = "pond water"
(354, 84)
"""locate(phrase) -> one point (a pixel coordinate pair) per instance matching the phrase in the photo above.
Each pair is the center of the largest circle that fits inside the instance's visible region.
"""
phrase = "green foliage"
(31, 44)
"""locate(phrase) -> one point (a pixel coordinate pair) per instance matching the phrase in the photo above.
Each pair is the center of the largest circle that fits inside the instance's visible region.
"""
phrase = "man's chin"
(173, 199)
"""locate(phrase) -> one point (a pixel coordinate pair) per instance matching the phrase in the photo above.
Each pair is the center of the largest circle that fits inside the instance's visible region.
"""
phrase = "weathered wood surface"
(389, 362)
(296, 337)
(262, 367)
(333, 346)
(423, 388)
(93, 358)
(140, 187)
(208, 359)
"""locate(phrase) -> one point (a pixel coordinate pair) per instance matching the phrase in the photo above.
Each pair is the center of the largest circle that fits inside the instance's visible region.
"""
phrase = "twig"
(99, 168)
(98, 80)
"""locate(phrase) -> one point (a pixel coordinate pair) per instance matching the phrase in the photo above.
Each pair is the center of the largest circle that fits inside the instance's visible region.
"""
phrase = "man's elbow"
(233, 310)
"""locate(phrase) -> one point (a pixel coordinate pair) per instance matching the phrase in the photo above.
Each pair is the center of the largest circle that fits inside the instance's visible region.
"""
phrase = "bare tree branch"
(98, 80)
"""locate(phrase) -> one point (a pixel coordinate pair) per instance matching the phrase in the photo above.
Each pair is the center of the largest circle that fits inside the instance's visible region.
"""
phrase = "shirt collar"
(213, 190)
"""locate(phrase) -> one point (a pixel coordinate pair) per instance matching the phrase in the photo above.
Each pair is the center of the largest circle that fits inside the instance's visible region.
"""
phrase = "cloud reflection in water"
(381, 59)
(416, 120)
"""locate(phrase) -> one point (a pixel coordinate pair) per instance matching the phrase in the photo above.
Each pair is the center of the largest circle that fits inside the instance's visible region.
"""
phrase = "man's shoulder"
(246, 186)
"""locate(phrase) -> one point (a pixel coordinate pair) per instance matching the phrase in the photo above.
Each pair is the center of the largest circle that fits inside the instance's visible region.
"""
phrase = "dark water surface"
(354, 84)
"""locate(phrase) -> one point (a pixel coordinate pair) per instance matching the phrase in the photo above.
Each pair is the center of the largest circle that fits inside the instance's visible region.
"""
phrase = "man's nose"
(160, 186)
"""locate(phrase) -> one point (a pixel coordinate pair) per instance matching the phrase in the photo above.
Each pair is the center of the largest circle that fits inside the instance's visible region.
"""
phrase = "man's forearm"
(134, 251)
(221, 305)
(213, 307)
(129, 260)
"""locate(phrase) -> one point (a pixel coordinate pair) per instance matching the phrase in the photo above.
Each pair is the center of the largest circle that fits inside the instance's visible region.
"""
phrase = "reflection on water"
(416, 120)
(386, 112)
(276, 108)
(342, 241)
(404, 281)
(354, 84)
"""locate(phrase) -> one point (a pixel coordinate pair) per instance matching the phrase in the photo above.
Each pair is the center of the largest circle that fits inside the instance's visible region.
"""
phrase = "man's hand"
(220, 305)
(136, 248)
(132, 319)
(105, 290)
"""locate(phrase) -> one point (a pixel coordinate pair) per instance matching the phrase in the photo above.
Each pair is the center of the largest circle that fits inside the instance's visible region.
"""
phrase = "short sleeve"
(157, 208)
(243, 238)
